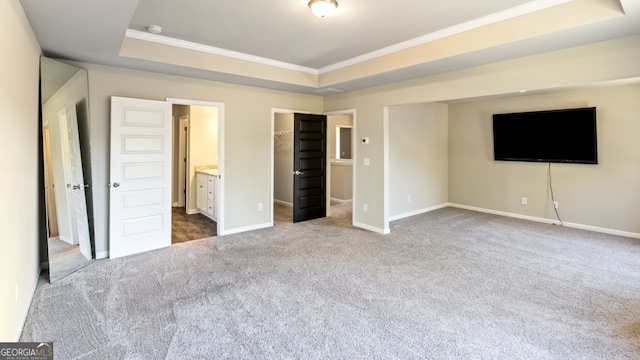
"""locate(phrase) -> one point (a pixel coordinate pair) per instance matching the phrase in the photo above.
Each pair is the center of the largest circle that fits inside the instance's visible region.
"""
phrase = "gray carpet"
(64, 259)
(450, 284)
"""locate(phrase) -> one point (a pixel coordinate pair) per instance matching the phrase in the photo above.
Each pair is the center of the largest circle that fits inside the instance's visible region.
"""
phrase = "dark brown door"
(309, 167)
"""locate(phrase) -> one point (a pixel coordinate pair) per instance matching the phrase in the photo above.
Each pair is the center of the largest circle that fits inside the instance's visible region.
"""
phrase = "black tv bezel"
(549, 160)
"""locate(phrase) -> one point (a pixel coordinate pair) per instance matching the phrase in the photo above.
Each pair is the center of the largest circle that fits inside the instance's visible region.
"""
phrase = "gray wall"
(610, 60)
(606, 195)
(418, 160)
(341, 180)
(247, 172)
(248, 145)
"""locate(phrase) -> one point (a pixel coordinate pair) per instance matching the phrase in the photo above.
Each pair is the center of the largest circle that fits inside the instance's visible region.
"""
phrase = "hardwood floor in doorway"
(190, 227)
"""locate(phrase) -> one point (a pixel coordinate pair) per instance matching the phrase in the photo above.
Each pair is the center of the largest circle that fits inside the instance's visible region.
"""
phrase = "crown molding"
(165, 40)
(523, 9)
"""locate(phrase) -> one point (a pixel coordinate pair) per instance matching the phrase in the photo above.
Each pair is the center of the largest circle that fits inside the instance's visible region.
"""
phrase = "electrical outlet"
(260, 207)
(524, 201)
(365, 207)
(409, 198)
(556, 204)
(367, 162)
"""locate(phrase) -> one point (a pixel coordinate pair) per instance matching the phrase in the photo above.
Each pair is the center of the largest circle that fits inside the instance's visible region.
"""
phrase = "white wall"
(203, 146)
(248, 149)
(283, 158)
(606, 195)
(418, 158)
(21, 185)
(610, 60)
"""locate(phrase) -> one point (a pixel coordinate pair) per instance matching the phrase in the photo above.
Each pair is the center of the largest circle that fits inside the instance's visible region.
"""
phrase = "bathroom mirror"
(65, 120)
(343, 142)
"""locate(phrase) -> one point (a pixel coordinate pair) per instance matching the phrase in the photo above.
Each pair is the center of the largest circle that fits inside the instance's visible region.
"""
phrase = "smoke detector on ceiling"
(154, 29)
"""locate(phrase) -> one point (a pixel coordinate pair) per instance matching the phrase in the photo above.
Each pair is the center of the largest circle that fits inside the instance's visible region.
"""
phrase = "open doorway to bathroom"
(195, 172)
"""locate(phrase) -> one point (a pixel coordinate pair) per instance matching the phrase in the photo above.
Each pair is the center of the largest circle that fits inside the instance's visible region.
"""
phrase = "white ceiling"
(285, 30)
(286, 34)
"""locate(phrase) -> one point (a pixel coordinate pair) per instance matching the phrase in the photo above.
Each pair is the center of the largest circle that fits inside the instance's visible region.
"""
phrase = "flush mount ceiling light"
(323, 8)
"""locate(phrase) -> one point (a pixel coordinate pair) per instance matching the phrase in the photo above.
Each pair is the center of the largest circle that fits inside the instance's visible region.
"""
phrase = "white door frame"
(183, 145)
(220, 196)
(52, 215)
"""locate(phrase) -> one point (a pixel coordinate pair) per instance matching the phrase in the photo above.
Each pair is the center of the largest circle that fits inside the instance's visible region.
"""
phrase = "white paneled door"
(75, 186)
(140, 176)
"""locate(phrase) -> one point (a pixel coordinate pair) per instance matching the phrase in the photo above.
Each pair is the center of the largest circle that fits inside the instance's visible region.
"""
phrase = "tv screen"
(558, 136)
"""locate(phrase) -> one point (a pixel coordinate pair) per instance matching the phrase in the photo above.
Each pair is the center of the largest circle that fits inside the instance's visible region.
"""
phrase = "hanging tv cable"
(553, 199)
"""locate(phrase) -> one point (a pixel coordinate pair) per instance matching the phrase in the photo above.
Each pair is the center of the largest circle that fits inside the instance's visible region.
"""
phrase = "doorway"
(340, 170)
(196, 159)
(142, 171)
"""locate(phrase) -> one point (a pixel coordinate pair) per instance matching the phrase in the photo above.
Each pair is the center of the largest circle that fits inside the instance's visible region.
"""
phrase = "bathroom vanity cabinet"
(207, 188)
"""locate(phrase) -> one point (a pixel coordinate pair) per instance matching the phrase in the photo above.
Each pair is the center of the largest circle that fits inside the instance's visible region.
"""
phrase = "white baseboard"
(371, 228)
(417, 212)
(550, 221)
(193, 211)
(284, 203)
(102, 255)
(602, 230)
(244, 229)
(175, 204)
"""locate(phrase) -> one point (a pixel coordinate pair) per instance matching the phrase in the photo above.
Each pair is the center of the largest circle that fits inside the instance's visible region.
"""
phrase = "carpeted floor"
(64, 259)
(450, 284)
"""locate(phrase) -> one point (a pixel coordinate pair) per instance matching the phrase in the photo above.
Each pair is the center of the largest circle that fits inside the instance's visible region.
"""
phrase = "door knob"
(116, 184)
(77, 187)
(298, 172)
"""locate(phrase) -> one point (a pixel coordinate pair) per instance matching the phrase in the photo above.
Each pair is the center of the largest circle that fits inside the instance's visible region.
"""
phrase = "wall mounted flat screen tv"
(558, 136)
